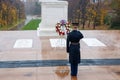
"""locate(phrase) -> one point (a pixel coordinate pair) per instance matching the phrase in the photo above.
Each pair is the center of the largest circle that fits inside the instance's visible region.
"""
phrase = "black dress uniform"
(73, 48)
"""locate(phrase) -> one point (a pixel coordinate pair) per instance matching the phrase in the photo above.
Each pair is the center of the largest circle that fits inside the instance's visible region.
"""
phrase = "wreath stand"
(62, 29)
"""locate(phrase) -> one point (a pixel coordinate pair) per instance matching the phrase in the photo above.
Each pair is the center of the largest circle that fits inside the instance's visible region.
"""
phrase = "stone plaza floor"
(25, 56)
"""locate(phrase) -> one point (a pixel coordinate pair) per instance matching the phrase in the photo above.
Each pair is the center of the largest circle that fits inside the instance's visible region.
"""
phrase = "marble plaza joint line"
(49, 63)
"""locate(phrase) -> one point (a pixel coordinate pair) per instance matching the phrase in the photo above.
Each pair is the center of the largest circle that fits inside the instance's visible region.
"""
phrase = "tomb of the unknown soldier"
(52, 12)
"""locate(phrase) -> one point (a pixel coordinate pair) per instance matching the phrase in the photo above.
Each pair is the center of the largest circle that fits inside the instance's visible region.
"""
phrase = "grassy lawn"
(32, 25)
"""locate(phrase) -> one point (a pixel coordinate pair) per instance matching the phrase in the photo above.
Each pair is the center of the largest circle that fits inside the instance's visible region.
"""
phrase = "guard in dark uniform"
(73, 48)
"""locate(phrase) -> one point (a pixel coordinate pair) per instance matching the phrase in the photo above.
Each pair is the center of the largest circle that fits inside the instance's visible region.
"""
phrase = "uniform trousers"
(74, 69)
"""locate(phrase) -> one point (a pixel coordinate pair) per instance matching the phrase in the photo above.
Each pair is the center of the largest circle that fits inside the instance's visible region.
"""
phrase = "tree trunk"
(84, 24)
(94, 23)
(89, 23)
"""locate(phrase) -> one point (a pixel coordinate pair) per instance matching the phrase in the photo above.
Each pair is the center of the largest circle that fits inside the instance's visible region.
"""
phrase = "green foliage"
(115, 23)
(116, 11)
(32, 25)
(108, 19)
(11, 11)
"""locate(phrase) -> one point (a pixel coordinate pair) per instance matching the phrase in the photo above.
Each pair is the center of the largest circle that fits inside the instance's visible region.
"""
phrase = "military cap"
(75, 24)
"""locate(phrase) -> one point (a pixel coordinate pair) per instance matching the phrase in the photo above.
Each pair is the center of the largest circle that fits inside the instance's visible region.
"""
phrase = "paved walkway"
(43, 62)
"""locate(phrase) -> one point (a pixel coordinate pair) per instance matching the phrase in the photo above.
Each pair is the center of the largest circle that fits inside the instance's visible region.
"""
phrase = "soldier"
(73, 48)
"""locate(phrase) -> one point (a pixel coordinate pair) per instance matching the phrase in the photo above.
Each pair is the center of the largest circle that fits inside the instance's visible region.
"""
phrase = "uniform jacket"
(74, 49)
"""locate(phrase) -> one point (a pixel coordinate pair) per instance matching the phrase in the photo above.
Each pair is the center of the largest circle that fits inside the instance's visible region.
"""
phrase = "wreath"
(63, 28)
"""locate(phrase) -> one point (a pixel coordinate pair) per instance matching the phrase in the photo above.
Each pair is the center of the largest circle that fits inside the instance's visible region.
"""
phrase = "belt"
(74, 43)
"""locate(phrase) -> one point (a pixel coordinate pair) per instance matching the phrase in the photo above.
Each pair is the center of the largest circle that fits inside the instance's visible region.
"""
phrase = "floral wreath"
(63, 27)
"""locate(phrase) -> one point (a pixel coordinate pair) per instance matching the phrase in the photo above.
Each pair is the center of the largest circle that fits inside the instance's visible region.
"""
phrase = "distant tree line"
(102, 12)
(32, 7)
(116, 14)
(11, 11)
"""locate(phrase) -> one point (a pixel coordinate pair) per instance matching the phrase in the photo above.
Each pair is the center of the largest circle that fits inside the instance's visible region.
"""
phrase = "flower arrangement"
(62, 27)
